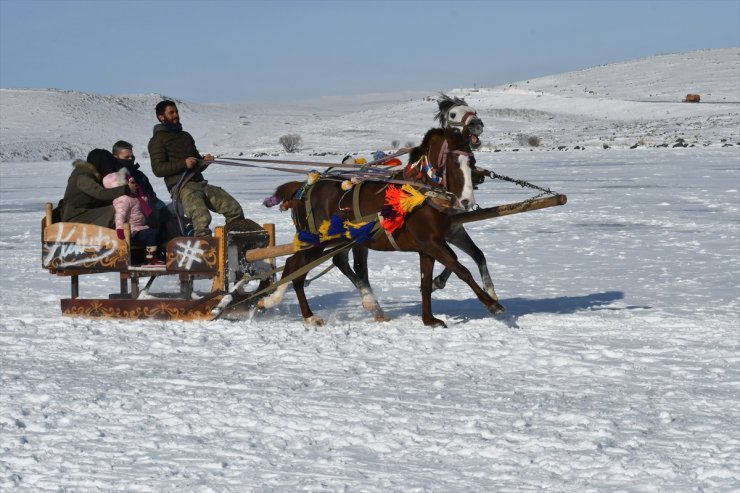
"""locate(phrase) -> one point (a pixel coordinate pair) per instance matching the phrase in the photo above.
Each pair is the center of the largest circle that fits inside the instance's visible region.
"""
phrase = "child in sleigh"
(133, 209)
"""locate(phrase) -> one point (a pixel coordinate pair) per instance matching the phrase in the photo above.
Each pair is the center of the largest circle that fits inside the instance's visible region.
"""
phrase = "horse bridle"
(469, 120)
(437, 171)
(442, 165)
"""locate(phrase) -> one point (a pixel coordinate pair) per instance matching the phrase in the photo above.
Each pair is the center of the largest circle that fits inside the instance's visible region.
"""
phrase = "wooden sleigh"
(76, 249)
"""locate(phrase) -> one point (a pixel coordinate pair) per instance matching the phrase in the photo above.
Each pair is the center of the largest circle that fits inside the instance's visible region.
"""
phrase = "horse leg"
(292, 264)
(369, 302)
(359, 258)
(426, 268)
(442, 253)
(308, 316)
(459, 237)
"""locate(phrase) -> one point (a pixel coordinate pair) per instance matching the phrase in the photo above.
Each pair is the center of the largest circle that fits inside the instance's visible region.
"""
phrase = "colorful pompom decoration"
(313, 177)
(305, 239)
(398, 203)
(361, 233)
(336, 226)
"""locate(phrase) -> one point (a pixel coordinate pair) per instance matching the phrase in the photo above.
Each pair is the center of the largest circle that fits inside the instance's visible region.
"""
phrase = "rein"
(228, 161)
(186, 176)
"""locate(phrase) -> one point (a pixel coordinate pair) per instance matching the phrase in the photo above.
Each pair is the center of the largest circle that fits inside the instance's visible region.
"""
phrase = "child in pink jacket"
(133, 210)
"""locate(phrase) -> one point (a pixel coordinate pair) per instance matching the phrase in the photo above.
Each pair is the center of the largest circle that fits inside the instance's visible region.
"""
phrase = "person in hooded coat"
(86, 200)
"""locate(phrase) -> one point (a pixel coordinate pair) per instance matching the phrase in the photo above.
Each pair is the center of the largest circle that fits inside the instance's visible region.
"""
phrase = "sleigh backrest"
(79, 246)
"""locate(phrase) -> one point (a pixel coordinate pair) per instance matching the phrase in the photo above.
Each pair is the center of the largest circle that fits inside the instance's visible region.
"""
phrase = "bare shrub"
(530, 140)
(291, 142)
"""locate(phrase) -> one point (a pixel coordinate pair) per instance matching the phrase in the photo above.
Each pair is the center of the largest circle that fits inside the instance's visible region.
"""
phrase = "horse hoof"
(314, 320)
(382, 317)
(261, 304)
(435, 322)
(496, 308)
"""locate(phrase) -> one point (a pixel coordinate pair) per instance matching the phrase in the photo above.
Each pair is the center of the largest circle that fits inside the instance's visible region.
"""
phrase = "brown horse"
(424, 230)
(454, 113)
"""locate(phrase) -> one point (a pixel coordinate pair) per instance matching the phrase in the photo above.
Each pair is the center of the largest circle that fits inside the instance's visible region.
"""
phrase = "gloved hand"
(119, 233)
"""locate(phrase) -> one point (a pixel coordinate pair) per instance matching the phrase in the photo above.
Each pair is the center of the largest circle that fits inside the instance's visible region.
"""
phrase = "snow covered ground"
(616, 367)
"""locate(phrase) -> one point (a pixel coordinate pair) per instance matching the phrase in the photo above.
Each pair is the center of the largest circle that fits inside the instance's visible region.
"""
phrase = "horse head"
(445, 160)
(455, 114)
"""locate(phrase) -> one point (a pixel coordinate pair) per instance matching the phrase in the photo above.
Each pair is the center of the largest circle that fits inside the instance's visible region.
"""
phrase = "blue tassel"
(336, 226)
(362, 234)
(378, 155)
(308, 237)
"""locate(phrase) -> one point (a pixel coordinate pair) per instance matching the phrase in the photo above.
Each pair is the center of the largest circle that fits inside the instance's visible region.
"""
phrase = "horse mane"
(446, 102)
(286, 192)
(423, 148)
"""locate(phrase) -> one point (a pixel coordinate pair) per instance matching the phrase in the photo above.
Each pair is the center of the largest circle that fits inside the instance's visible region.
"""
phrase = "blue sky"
(222, 51)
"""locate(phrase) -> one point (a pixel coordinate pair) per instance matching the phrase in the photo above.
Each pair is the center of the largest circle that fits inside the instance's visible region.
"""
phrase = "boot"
(151, 256)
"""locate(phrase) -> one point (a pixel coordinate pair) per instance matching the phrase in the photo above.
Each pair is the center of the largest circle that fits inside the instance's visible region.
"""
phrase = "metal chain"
(521, 183)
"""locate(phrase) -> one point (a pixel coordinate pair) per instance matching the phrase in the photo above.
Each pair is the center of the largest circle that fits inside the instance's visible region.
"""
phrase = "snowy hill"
(616, 105)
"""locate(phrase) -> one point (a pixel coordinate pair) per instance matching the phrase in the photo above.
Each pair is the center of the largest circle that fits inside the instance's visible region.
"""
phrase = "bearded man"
(173, 153)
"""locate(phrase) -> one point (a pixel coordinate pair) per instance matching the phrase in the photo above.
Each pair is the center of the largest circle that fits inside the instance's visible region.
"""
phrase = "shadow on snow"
(472, 309)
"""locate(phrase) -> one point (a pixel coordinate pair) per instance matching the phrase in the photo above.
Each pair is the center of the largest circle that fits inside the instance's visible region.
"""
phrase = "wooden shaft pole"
(463, 217)
(285, 249)
(270, 252)
(508, 209)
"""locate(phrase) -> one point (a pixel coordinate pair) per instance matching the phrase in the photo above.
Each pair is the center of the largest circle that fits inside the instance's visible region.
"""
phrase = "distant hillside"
(617, 105)
(714, 74)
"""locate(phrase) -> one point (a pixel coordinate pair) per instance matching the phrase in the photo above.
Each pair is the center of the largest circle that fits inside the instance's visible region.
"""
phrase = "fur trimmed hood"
(84, 166)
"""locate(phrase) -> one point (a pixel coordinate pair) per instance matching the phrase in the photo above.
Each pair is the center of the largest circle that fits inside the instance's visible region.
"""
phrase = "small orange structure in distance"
(692, 98)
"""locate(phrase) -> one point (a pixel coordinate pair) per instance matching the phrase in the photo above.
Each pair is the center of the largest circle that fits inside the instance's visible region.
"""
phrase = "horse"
(455, 113)
(422, 230)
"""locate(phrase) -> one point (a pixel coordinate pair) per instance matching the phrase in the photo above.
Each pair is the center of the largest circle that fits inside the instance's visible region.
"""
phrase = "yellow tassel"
(324, 230)
(347, 185)
(313, 177)
(413, 200)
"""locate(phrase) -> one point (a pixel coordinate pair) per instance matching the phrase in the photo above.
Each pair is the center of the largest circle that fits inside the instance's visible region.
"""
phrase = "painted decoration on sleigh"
(70, 246)
(192, 254)
(141, 309)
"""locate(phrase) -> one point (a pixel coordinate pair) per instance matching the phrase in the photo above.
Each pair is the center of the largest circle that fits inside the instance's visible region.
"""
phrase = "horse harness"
(436, 172)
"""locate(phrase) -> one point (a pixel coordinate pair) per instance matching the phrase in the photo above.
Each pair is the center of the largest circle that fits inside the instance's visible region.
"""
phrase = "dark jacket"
(85, 191)
(142, 181)
(168, 150)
